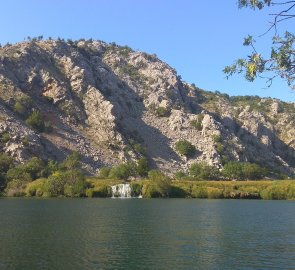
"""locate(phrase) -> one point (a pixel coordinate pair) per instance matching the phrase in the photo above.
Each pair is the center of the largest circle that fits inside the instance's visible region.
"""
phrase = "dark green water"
(146, 234)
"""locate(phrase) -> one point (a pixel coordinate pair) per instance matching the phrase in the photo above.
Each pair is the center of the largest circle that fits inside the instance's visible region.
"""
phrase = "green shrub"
(71, 162)
(252, 171)
(197, 123)
(139, 148)
(180, 175)
(104, 172)
(150, 191)
(142, 167)
(70, 183)
(23, 106)
(177, 192)
(28, 171)
(161, 182)
(19, 108)
(36, 188)
(34, 167)
(5, 162)
(123, 171)
(203, 171)
(162, 112)
(216, 138)
(15, 188)
(18, 173)
(185, 148)
(35, 121)
(103, 191)
(136, 188)
(4, 137)
(243, 170)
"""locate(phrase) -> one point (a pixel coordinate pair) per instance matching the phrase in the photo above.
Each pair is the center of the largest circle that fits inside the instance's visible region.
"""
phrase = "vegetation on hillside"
(52, 179)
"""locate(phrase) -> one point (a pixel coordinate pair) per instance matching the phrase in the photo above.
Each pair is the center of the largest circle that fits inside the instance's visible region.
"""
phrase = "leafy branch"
(281, 62)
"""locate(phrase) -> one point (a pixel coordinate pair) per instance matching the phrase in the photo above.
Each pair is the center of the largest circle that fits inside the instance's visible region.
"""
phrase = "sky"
(197, 38)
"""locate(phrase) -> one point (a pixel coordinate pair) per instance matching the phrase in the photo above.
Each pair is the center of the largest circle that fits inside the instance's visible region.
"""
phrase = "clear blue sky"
(197, 38)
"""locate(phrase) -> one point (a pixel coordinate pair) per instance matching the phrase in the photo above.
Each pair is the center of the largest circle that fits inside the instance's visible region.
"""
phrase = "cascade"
(121, 191)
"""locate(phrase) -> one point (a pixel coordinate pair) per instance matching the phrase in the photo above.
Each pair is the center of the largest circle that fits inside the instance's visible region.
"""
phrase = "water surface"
(146, 234)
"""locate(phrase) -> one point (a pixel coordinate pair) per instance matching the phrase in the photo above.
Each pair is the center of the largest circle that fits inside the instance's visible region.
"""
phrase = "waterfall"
(121, 191)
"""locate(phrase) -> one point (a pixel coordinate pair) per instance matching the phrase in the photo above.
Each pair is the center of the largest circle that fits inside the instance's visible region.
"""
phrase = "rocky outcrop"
(109, 102)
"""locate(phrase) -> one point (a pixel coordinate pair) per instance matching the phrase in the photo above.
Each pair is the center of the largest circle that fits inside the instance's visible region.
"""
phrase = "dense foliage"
(52, 179)
(64, 179)
(185, 148)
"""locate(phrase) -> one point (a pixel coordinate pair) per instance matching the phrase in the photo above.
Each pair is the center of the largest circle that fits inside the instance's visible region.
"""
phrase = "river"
(146, 234)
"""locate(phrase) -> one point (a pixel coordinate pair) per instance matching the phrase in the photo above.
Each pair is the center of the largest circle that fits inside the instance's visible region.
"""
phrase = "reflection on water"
(146, 234)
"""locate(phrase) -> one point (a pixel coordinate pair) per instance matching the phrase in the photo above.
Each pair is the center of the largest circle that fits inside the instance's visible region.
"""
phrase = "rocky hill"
(113, 104)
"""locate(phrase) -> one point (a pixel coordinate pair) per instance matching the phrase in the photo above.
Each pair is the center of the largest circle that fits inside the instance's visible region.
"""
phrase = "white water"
(121, 191)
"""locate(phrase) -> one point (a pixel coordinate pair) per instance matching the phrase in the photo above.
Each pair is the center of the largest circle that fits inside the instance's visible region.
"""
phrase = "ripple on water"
(146, 234)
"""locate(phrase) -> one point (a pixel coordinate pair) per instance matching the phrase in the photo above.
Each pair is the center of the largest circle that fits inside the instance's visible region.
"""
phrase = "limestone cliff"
(110, 103)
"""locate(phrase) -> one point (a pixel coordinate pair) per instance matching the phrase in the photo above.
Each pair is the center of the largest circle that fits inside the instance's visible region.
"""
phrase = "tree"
(69, 183)
(203, 171)
(142, 167)
(281, 61)
(123, 171)
(5, 163)
(243, 171)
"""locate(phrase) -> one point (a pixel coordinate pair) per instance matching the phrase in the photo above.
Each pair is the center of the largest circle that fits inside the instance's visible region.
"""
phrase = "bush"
(35, 121)
(104, 172)
(4, 138)
(177, 192)
(70, 183)
(123, 171)
(161, 182)
(37, 188)
(243, 171)
(75, 183)
(203, 171)
(5, 163)
(185, 148)
(150, 191)
(23, 106)
(162, 111)
(18, 173)
(15, 188)
(180, 175)
(71, 162)
(136, 188)
(34, 167)
(28, 171)
(19, 108)
(142, 167)
(197, 123)
(103, 191)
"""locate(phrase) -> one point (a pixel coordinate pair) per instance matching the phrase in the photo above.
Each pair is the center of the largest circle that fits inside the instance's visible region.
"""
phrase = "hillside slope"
(113, 104)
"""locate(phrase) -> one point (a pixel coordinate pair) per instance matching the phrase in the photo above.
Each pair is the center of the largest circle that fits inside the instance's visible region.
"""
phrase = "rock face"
(109, 103)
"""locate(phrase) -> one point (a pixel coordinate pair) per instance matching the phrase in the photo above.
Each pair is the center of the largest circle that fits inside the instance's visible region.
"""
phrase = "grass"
(268, 190)
(264, 189)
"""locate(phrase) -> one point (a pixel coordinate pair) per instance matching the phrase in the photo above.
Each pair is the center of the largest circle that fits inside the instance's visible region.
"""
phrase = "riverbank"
(102, 188)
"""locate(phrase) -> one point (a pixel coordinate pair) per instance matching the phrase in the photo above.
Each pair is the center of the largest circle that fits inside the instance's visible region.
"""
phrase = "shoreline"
(239, 190)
